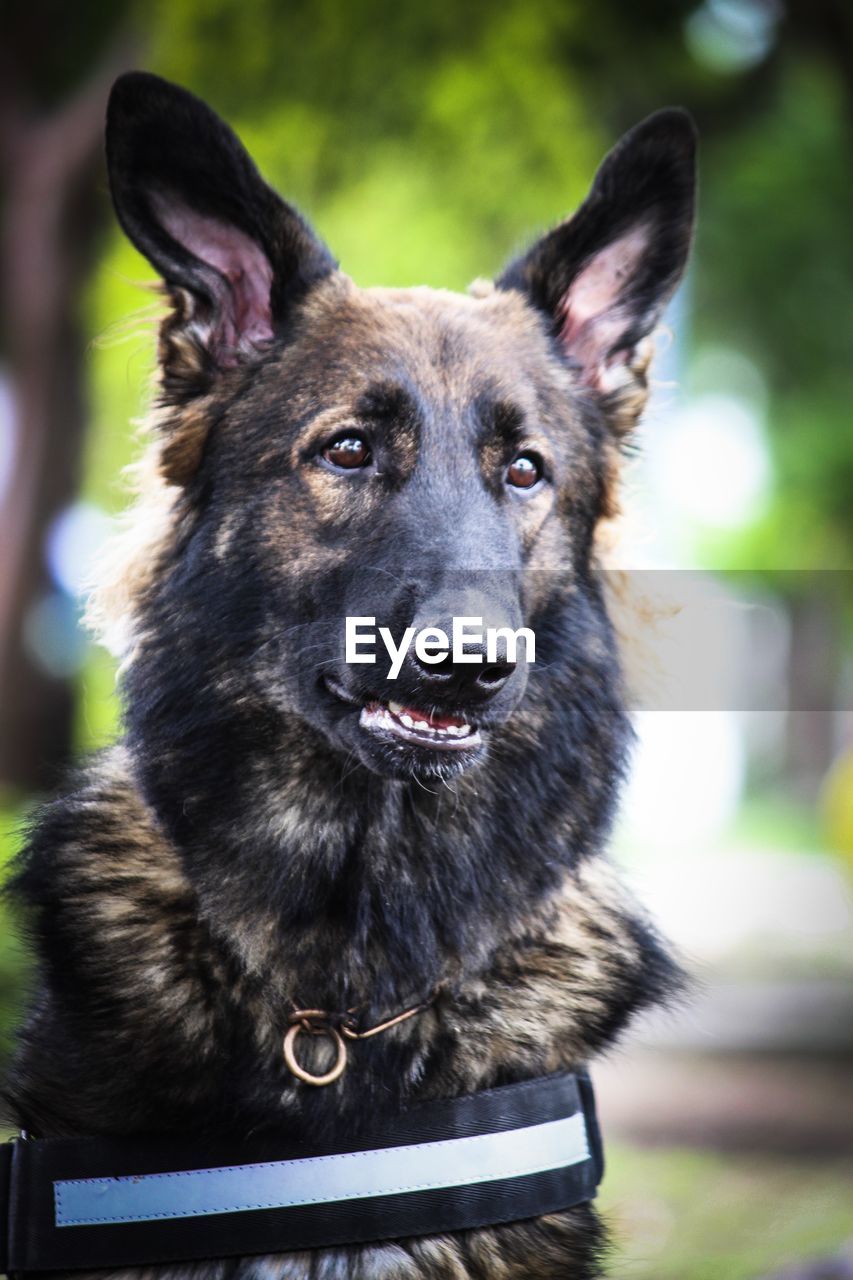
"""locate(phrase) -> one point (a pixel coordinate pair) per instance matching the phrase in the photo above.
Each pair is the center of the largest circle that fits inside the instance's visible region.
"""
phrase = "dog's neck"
(347, 887)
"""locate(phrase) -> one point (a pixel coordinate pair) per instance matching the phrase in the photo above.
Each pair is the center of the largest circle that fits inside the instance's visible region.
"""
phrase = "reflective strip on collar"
(506, 1154)
(389, 1171)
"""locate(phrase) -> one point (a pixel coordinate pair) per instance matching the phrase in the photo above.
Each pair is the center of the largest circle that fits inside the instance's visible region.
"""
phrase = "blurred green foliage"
(14, 958)
(685, 1215)
(775, 281)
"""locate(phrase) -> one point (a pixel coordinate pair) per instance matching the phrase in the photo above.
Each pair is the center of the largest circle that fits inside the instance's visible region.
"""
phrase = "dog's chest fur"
(154, 1020)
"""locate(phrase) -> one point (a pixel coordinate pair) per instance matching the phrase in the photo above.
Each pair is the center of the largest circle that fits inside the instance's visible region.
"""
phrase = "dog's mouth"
(435, 730)
(423, 728)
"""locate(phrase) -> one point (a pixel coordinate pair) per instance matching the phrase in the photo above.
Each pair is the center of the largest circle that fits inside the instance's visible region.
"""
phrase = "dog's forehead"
(442, 343)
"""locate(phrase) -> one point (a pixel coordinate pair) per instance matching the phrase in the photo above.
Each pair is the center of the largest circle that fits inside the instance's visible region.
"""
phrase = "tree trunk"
(52, 219)
(814, 669)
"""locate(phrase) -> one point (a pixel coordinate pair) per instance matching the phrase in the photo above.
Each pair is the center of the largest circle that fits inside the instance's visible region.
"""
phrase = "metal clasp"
(314, 1022)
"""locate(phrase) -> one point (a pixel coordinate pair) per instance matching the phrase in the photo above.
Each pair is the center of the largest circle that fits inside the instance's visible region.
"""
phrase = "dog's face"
(408, 456)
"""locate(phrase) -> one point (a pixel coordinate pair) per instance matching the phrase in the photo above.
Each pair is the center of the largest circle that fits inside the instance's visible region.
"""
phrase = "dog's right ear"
(234, 256)
(602, 278)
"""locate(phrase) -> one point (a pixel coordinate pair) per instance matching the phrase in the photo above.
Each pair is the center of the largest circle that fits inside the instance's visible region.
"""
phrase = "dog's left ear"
(234, 256)
(603, 276)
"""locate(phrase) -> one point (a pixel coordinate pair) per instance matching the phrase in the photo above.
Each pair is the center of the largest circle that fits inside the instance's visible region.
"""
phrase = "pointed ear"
(604, 276)
(191, 200)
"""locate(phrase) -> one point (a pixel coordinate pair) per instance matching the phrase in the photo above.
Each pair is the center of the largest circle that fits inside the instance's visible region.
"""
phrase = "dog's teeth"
(422, 724)
(395, 707)
(407, 721)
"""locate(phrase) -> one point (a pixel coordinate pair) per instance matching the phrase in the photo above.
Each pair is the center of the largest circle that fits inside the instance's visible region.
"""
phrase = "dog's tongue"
(433, 719)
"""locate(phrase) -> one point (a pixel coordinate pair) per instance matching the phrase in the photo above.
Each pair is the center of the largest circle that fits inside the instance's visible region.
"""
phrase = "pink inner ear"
(245, 317)
(593, 318)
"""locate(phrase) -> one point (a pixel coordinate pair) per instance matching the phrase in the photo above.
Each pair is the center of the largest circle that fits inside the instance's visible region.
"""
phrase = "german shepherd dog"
(282, 829)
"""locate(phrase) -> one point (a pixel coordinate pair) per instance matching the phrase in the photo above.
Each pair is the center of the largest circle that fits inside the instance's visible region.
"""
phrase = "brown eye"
(524, 471)
(349, 451)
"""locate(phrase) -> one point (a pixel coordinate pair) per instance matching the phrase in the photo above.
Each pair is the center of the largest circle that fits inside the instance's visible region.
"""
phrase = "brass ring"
(301, 1074)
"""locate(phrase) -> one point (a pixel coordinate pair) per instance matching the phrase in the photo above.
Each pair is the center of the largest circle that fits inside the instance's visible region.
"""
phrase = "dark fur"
(245, 850)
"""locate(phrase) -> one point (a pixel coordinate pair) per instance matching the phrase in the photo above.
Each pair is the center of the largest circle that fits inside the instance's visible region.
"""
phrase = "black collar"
(497, 1156)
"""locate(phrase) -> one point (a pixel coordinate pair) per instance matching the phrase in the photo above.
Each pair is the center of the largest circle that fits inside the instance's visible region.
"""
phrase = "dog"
(280, 829)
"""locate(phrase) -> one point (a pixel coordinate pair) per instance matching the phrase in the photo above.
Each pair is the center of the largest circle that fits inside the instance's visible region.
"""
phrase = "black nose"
(480, 679)
(483, 661)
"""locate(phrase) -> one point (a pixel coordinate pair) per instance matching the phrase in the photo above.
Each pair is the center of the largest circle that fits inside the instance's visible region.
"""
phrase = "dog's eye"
(524, 471)
(349, 451)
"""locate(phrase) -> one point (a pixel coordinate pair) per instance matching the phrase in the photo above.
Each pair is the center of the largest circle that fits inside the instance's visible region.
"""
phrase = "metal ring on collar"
(308, 1021)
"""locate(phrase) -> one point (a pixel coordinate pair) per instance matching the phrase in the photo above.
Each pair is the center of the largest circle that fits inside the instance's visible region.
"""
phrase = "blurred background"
(427, 143)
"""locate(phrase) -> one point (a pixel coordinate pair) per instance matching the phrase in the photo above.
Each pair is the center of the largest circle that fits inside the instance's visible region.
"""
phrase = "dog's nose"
(482, 662)
(478, 678)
